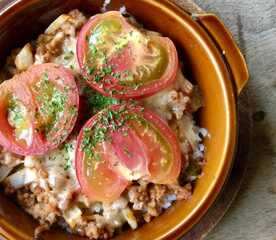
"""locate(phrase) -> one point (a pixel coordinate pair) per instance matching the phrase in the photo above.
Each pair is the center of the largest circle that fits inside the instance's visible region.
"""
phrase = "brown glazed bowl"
(211, 60)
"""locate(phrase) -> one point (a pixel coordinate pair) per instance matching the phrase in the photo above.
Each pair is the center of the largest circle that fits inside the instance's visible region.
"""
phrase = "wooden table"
(253, 23)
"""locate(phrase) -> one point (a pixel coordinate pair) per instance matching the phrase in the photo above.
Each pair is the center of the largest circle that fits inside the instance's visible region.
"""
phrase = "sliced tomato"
(97, 178)
(119, 60)
(128, 143)
(43, 112)
(132, 159)
(162, 148)
(7, 132)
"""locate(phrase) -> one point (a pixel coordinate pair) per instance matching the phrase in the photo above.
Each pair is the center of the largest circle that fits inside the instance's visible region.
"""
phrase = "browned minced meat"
(38, 203)
(50, 45)
(149, 198)
(92, 228)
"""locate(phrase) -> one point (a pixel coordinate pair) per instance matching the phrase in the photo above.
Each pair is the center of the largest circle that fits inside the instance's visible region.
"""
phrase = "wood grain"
(253, 23)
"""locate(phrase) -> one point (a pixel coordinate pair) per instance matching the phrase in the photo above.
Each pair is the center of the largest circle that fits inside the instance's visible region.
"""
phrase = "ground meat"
(182, 193)
(151, 199)
(93, 229)
(26, 198)
(174, 101)
(178, 103)
(38, 203)
(50, 45)
(138, 195)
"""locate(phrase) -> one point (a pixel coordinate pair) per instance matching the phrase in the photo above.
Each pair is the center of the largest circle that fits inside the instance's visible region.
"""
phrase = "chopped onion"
(82, 199)
(22, 178)
(184, 84)
(43, 183)
(120, 203)
(188, 128)
(57, 23)
(64, 196)
(129, 216)
(72, 216)
(30, 161)
(24, 58)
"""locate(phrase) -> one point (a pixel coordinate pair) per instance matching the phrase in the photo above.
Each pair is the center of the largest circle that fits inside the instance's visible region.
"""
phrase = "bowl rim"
(232, 119)
(204, 204)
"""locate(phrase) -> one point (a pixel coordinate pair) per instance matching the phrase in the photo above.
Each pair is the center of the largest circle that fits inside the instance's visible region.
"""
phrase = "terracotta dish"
(211, 59)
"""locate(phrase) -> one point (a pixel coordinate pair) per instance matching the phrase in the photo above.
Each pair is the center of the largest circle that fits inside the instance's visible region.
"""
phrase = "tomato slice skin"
(6, 130)
(159, 172)
(63, 80)
(131, 152)
(125, 60)
(149, 142)
(22, 87)
(109, 185)
(156, 175)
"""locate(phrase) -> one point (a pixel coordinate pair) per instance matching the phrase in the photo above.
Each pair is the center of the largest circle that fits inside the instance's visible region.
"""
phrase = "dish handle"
(225, 41)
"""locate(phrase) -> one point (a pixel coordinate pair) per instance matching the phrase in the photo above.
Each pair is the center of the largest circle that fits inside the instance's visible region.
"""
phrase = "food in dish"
(119, 60)
(98, 130)
(39, 109)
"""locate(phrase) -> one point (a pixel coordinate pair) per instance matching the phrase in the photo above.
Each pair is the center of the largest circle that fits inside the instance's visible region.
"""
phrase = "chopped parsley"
(91, 138)
(15, 111)
(68, 55)
(52, 103)
(108, 121)
(97, 65)
(101, 73)
(191, 173)
(107, 70)
(99, 132)
(91, 70)
(96, 101)
(98, 78)
(93, 49)
(68, 148)
(73, 110)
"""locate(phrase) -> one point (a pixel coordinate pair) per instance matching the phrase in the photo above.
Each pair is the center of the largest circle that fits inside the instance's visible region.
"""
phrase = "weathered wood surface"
(253, 23)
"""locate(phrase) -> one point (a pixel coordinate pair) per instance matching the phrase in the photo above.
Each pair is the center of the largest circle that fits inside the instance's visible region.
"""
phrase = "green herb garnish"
(91, 70)
(15, 110)
(96, 101)
(108, 121)
(52, 103)
(68, 55)
(68, 148)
